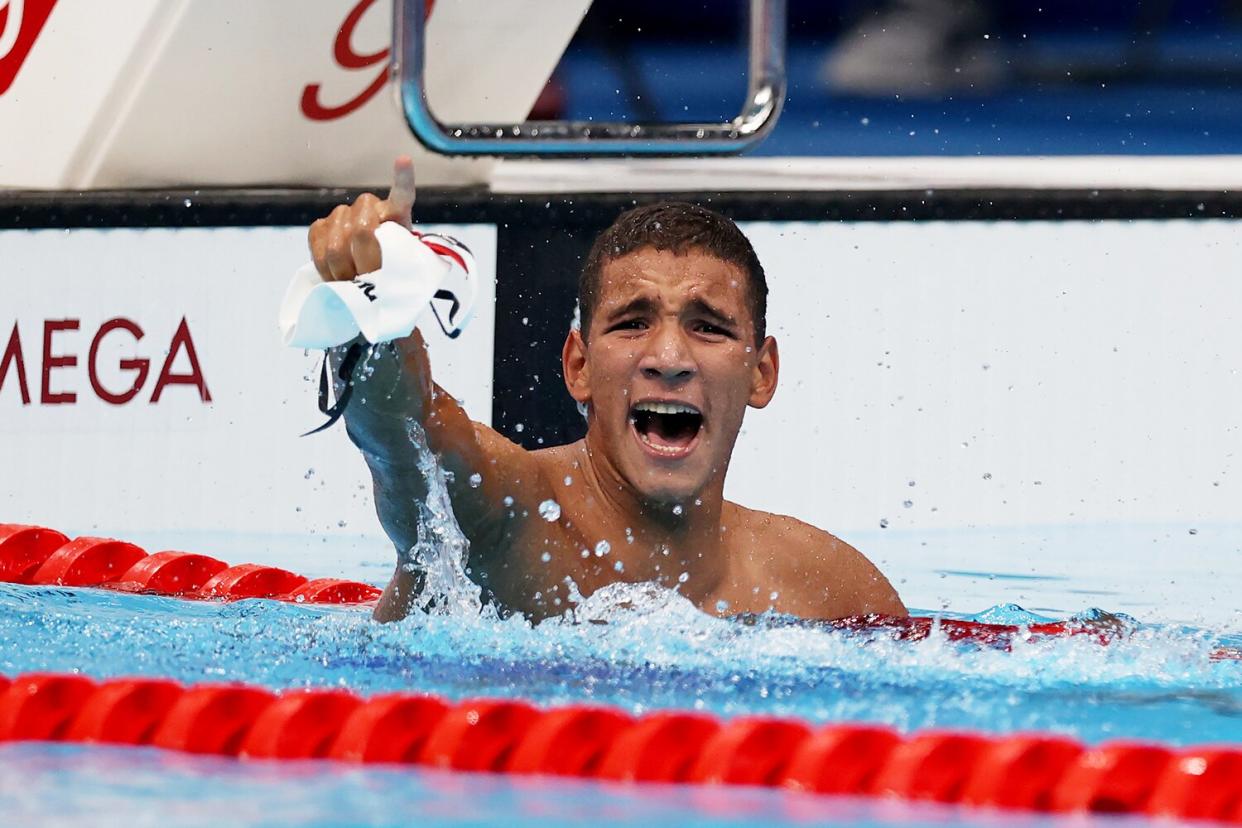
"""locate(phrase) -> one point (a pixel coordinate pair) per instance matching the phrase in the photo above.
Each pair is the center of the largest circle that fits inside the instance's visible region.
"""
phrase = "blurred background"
(929, 77)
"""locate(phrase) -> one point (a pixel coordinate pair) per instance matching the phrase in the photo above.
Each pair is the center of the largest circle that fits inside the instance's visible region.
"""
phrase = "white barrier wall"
(1019, 373)
(180, 462)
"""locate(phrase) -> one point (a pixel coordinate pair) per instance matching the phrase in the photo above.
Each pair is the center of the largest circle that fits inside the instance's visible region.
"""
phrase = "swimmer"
(671, 352)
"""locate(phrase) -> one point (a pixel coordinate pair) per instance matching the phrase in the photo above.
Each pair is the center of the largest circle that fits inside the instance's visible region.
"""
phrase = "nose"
(668, 355)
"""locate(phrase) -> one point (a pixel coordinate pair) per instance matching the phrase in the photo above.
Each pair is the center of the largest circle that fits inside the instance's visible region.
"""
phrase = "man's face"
(668, 368)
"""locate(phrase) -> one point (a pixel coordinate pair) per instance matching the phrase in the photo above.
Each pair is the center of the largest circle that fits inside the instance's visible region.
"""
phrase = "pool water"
(636, 647)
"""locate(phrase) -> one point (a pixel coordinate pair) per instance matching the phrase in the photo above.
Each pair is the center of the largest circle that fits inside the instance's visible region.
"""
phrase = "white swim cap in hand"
(418, 270)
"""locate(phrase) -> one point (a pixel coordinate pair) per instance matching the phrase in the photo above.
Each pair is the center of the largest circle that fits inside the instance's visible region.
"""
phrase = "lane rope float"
(1033, 772)
(40, 556)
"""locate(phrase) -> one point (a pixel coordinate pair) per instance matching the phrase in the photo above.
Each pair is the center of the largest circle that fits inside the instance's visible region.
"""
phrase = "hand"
(344, 245)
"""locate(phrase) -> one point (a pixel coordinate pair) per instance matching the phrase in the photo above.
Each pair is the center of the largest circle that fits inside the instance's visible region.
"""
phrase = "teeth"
(666, 408)
(671, 451)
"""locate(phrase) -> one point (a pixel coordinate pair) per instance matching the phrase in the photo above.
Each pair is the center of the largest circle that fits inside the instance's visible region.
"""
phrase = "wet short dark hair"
(678, 227)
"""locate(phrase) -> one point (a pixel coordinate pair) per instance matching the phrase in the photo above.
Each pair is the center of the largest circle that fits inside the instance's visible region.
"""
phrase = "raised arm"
(397, 393)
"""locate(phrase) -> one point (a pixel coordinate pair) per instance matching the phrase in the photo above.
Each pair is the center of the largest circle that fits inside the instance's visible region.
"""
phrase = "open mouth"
(668, 429)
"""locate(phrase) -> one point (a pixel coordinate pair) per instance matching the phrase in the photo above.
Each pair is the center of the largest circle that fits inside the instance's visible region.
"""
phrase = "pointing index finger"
(401, 196)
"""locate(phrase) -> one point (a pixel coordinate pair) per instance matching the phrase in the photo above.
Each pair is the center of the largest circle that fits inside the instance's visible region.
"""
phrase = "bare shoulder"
(511, 480)
(487, 479)
(820, 575)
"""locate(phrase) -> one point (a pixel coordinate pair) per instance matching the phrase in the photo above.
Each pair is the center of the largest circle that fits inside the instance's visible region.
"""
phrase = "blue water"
(634, 647)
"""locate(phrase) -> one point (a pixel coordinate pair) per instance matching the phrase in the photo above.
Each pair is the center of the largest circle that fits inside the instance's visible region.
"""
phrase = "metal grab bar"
(766, 94)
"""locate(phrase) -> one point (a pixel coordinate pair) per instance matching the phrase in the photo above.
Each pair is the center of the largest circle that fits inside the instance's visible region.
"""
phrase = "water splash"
(442, 550)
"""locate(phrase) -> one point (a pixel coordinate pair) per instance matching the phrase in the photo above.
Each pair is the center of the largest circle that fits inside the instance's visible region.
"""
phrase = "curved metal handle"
(765, 96)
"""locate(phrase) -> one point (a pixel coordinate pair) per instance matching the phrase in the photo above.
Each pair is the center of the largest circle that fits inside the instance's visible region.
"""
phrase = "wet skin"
(667, 371)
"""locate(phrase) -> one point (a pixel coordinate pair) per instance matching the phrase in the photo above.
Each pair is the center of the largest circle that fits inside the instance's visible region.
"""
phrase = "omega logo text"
(53, 385)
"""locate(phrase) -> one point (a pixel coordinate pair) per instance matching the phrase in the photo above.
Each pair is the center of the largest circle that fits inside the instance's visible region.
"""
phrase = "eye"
(713, 330)
(635, 324)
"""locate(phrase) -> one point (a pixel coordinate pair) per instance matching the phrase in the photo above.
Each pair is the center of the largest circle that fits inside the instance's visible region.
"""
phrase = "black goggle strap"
(448, 296)
(346, 373)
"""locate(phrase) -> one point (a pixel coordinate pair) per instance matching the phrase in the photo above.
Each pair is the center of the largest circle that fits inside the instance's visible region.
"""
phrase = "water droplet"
(569, 481)
(309, 474)
(987, 475)
(545, 557)
(476, 480)
(519, 428)
(698, 501)
(772, 596)
(907, 503)
(677, 510)
(910, 484)
(342, 524)
(508, 501)
(586, 553)
(618, 566)
(550, 511)
(722, 605)
(683, 577)
(883, 523)
(188, 203)
(1194, 531)
(602, 548)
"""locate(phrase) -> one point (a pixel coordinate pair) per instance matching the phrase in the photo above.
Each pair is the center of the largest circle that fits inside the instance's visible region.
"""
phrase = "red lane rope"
(37, 555)
(1024, 771)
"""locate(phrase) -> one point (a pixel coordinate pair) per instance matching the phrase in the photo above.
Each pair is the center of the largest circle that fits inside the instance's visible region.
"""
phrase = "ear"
(763, 377)
(574, 367)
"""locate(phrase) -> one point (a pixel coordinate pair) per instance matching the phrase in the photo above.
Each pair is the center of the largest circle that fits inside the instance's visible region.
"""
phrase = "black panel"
(267, 208)
(536, 288)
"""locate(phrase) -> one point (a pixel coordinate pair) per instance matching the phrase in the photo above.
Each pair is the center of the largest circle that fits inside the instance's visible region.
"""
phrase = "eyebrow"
(643, 304)
(639, 304)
